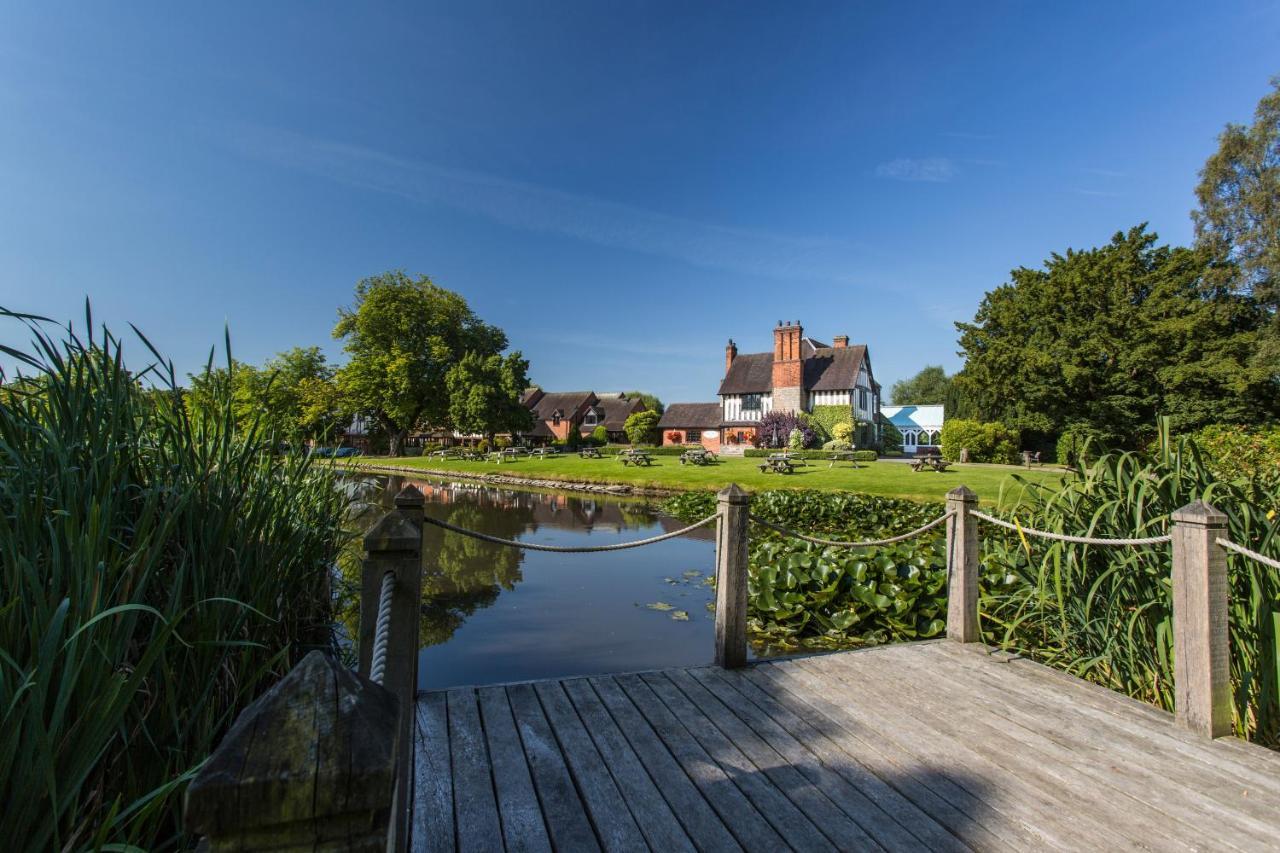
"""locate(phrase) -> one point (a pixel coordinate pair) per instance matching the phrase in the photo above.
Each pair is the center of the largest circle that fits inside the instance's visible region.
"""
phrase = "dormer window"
(556, 416)
(592, 418)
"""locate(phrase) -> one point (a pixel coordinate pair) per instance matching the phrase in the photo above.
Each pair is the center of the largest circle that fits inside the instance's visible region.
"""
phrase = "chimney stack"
(730, 353)
(840, 342)
(788, 371)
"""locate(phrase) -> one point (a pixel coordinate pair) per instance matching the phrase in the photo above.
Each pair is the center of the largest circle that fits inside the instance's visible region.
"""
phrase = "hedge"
(858, 455)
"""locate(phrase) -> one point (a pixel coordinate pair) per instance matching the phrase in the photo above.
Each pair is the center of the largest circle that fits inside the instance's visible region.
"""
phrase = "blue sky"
(621, 187)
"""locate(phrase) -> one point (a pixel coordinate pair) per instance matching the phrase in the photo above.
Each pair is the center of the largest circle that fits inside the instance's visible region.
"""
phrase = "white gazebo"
(921, 426)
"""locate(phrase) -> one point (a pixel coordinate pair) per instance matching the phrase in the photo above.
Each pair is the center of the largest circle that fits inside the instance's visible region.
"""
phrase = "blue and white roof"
(914, 417)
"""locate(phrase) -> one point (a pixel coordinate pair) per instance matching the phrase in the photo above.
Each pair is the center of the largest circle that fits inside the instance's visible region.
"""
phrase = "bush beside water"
(158, 573)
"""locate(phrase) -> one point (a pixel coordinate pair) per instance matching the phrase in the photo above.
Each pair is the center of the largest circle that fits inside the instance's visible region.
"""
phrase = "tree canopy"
(642, 427)
(402, 336)
(929, 387)
(1112, 337)
(484, 394)
(650, 401)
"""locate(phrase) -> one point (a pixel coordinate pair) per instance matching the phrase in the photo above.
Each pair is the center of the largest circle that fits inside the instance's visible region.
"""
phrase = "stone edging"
(527, 482)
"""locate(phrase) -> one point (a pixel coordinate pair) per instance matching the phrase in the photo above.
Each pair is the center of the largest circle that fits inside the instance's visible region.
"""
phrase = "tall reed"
(156, 574)
(1105, 613)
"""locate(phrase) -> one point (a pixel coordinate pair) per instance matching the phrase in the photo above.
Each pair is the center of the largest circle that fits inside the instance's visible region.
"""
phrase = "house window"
(591, 419)
(750, 402)
(555, 418)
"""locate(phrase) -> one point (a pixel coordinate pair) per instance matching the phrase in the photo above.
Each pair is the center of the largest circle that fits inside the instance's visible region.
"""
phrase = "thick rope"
(378, 660)
(1060, 537)
(568, 549)
(1252, 555)
(867, 544)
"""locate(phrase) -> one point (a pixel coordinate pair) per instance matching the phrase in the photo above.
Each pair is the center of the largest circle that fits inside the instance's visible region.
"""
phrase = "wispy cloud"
(933, 169)
(533, 207)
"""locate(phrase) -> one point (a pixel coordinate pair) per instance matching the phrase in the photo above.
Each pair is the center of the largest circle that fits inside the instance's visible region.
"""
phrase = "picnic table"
(544, 452)
(778, 463)
(697, 456)
(589, 452)
(634, 457)
(842, 456)
(506, 453)
(932, 463)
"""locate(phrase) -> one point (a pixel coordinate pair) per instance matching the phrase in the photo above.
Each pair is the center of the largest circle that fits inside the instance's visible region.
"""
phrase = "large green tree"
(403, 335)
(484, 394)
(1238, 221)
(651, 401)
(1113, 336)
(929, 387)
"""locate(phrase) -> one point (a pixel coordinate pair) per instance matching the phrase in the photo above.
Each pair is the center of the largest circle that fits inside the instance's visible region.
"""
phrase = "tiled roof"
(825, 369)
(697, 415)
(616, 411)
(566, 402)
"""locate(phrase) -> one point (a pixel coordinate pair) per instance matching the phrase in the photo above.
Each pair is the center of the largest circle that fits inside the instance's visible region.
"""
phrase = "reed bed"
(157, 572)
(1104, 613)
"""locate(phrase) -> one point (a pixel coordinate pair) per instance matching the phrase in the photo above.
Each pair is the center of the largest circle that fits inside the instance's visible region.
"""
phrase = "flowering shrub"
(774, 431)
(1235, 452)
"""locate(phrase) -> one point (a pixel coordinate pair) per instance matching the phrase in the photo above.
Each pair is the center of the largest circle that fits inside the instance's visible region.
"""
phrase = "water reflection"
(494, 614)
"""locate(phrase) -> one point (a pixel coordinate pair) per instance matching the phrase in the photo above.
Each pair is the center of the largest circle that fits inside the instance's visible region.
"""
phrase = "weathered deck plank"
(919, 746)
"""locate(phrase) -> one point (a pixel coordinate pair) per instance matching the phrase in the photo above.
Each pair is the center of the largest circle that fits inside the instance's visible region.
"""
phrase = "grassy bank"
(883, 478)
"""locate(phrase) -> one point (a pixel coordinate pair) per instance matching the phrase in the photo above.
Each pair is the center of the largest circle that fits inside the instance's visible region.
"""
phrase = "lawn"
(890, 479)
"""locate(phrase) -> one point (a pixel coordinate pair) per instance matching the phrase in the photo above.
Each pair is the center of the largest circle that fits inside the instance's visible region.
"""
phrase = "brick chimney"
(730, 353)
(788, 370)
(840, 342)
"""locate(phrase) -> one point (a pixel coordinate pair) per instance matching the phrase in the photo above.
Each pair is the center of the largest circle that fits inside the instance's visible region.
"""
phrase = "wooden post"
(731, 577)
(310, 765)
(963, 567)
(394, 544)
(1201, 660)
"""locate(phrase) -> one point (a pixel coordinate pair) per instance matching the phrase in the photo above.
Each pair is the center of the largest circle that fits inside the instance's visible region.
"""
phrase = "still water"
(493, 614)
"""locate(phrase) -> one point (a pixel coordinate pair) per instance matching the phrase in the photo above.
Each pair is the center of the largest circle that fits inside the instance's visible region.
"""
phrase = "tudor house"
(558, 413)
(799, 374)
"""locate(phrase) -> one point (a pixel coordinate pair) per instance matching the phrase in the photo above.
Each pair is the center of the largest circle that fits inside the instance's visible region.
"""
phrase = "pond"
(494, 614)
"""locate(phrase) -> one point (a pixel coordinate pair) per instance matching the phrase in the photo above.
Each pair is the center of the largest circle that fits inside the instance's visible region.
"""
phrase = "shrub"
(1237, 452)
(795, 440)
(157, 575)
(825, 418)
(600, 436)
(642, 427)
(774, 430)
(483, 446)
(836, 444)
(843, 431)
(502, 442)
(986, 442)
(890, 438)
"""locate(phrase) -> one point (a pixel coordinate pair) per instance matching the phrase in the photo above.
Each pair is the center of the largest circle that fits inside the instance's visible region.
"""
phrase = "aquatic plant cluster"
(156, 574)
(804, 596)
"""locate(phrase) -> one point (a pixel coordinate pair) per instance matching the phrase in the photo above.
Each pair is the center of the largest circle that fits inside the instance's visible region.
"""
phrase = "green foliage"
(836, 444)
(795, 440)
(159, 572)
(890, 437)
(1105, 614)
(642, 427)
(600, 436)
(1239, 220)
(1236, 452)
(989, 442)
(484, 394)
(811, 453)
(402, 336)
(929, 387)
(808, 596)
(1081, 443)
(650, 401)
(825, 420)
(843, 431)
(1112, 337)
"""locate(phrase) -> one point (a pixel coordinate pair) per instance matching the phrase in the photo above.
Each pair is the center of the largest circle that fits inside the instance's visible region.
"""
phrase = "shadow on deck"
(927, 745)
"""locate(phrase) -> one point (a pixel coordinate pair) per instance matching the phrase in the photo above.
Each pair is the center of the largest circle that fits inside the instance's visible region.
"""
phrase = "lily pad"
(660, 605)
(692, 573)
(680, 615)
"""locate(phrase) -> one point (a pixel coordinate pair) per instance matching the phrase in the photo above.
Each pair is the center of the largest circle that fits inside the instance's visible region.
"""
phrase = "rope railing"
(1245, 552)
(378, 660)
(869, 543)
(1062, 537)
(570, 549)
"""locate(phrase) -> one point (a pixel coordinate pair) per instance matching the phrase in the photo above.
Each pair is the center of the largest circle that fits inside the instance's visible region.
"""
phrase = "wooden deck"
(923, 746)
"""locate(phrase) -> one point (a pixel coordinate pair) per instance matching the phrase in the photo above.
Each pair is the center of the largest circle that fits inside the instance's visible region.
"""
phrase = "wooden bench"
(635, 457)
(842, 456)
(589, 453)
(780, 464)
(697, 456)
(931, 463)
